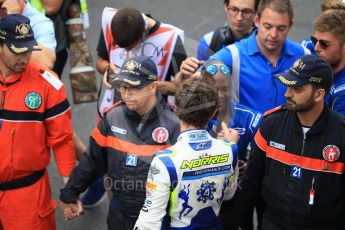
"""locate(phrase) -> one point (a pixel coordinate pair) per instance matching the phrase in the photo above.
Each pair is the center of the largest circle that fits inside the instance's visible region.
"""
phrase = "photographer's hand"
(109, 69)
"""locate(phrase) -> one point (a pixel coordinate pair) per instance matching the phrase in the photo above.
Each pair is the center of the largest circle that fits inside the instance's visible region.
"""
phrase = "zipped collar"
(319, 124)
(11, 80)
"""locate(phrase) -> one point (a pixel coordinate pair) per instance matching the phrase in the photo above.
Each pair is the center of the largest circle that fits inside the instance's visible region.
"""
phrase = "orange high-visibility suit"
(35, 117)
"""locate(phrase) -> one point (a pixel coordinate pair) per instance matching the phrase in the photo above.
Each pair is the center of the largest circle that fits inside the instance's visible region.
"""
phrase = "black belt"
(22, 182)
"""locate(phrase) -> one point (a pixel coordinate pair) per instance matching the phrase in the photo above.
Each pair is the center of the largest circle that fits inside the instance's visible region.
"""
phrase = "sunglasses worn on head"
(212, 69)
(323, 44)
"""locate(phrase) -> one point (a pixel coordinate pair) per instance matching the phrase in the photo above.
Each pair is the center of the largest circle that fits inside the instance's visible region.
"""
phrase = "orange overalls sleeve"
(59, 130)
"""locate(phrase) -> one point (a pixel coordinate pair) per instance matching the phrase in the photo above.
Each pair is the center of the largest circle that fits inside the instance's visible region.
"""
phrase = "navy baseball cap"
(307, 69)
(16, 32)
(136, 72)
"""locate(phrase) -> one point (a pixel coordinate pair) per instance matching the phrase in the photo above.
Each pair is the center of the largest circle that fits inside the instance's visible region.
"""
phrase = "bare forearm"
(101, 65)
(167, 87)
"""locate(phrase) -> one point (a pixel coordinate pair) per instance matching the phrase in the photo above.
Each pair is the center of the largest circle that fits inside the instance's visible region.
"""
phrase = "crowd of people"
(255, 121)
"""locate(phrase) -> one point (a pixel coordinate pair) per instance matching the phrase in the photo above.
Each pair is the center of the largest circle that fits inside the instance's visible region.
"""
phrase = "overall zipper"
(12, 144)
(2, 103)
(303, 143)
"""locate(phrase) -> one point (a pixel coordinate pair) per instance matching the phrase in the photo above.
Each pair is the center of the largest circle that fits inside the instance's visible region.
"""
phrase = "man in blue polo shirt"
(266, 52)
(256, 59)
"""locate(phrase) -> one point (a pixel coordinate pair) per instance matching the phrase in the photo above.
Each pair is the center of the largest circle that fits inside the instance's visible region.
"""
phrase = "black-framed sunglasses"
(212, 69)
(323, 44)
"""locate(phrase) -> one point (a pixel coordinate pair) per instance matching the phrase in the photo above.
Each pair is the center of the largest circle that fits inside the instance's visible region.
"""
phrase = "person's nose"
(288, 93)
(274, 33)
(317, 47)
(239, 16)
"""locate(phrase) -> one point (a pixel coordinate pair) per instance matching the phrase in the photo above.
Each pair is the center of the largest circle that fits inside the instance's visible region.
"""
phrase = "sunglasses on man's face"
(212, 69)
(323, 43)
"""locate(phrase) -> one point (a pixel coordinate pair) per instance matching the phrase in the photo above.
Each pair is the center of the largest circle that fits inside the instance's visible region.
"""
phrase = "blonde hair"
(333, 22)
(332, 5)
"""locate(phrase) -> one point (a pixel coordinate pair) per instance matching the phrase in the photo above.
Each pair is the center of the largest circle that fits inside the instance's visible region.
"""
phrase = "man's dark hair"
(326, 88)
(279, 6)
(196, 101)
(127, 27)
(226, 2)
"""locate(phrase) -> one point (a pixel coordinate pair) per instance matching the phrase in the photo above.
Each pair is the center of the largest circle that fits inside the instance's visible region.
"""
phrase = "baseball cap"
(136, 72)
(16, 32)
(307, 69)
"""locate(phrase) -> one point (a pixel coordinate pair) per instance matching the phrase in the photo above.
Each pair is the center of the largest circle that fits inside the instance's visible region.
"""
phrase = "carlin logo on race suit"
(160, 135)
(331, 153)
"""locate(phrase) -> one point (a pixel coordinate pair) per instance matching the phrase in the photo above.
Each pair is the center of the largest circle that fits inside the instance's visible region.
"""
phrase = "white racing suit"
(187, 183)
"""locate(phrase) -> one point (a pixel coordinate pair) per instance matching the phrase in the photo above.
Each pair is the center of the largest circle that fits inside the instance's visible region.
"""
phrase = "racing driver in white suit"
(187, 182)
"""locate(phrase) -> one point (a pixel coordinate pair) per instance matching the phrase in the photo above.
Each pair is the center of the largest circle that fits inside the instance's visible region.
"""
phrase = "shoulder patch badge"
(33, 100)
(54, 81)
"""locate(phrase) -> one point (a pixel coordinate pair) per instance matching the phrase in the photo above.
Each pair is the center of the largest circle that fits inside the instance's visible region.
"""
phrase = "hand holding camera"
(109, 75)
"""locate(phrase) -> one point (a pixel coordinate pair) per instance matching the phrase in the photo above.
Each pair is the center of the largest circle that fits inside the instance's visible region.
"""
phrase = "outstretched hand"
(188, 68)
(228, 134)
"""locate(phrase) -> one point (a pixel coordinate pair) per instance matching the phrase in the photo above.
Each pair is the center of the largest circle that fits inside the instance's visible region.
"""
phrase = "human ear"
(257, 20)
(319, 95)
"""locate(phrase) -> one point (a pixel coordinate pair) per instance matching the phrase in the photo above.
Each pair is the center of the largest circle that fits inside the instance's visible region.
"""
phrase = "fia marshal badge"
(160, 135)
(331, 153)
(33, 100)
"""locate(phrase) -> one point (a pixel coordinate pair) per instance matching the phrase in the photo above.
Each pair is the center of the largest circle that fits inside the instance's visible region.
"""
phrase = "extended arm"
(157, 197)
(249, 188)
(92, 166)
